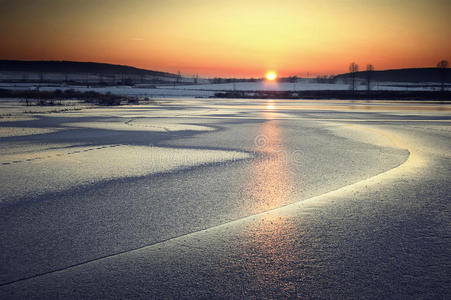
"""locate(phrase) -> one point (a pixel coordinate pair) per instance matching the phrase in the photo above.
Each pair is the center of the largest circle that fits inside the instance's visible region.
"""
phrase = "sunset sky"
(228, 37)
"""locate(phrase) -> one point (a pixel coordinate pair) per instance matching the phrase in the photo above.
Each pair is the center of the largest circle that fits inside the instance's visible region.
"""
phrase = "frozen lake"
(196, 198)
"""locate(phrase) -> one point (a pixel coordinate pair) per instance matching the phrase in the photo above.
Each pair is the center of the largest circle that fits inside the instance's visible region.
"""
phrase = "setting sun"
(271, 75)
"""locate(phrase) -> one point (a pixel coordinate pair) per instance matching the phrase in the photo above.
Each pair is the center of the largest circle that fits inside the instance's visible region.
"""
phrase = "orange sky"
(230, 37)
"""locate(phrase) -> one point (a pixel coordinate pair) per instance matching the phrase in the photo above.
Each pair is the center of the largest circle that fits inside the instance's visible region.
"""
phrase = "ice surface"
(28, 175)
(140, 125)
(23, 131)
(354, 209)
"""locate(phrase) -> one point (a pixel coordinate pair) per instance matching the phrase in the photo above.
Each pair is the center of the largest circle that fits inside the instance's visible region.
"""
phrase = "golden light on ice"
(271, 75)
(270, 104)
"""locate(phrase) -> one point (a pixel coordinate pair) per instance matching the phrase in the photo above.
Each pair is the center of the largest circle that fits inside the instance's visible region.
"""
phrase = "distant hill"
(403, 75)
(76, 67)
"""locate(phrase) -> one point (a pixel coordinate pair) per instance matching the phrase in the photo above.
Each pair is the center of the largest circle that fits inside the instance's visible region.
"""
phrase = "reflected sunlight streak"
(270, 186)
(271, 179)
(270, 105)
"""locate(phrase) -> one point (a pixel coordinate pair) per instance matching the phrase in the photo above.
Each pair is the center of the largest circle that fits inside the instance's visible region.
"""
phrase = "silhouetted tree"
(325, 78)
(353, 69)
(369, 75)
(178, 79)
(442, 66)
(292, 79)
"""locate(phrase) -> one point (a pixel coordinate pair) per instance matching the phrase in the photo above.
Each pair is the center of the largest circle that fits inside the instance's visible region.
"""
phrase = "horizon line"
(298, 74)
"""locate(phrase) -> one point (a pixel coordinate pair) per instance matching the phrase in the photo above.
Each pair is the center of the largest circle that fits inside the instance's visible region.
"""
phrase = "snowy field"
(208, 90)
(227, 198)
(305, 85)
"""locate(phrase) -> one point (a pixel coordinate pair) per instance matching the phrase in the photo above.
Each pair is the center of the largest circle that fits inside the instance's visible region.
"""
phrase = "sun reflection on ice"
(270, 182)
(270, 105)
(273, 253)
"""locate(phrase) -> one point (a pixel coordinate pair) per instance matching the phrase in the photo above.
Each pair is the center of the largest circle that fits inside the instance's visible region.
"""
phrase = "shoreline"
(338, 95)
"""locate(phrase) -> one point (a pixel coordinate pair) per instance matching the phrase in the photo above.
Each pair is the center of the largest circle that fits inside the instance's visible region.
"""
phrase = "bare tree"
(369, 75)
(292, 79)
(353, 69)
(442, 66)
(178, 79)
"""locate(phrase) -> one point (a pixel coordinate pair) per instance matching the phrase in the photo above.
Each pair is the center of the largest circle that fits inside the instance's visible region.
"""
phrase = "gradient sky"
(228, 37)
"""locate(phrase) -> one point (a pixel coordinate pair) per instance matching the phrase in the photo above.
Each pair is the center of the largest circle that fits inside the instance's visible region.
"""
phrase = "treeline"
(231, 80)
(54, 97)
(342, 95)
(441, 73)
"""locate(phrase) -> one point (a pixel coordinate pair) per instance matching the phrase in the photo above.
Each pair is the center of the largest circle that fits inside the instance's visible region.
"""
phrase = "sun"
(271, 75)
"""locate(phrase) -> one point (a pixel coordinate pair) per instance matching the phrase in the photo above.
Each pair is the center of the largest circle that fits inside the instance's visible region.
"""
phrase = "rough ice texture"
(53, 170)
(140, 125)
(23, 131)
